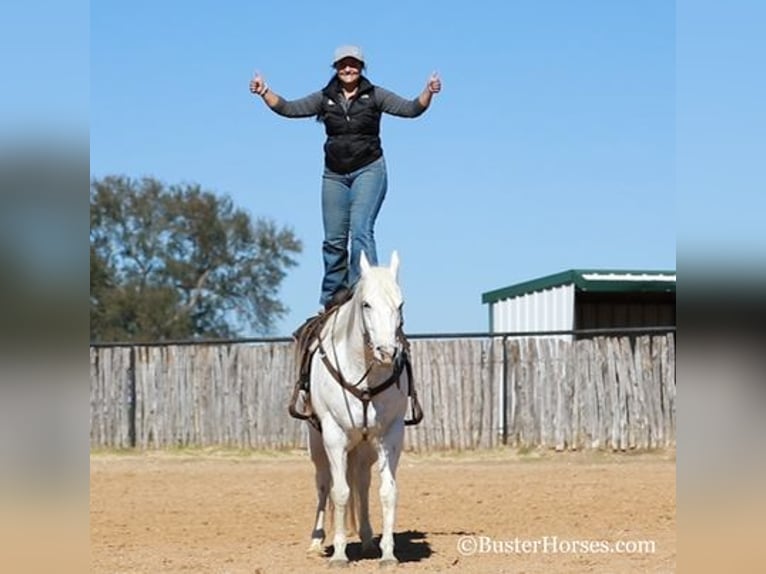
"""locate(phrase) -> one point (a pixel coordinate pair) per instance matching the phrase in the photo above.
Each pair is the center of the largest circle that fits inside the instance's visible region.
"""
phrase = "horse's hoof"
(338, 563)
(388, 562)
(315, 548)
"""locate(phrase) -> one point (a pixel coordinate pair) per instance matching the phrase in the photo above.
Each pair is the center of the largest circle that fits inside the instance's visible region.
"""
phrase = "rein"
(366, 394)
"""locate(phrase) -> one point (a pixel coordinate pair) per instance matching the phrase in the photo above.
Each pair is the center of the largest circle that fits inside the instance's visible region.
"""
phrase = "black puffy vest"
(353, 137)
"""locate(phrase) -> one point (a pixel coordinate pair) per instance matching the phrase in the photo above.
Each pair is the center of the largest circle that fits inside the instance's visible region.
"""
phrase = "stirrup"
(307, 414)
(417, 410)
(292, 407)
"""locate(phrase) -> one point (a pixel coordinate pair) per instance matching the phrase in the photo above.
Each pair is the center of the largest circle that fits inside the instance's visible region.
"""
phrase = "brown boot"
(339, 297)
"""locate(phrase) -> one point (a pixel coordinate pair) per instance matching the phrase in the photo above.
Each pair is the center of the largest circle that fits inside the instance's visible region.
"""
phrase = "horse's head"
(379, 302)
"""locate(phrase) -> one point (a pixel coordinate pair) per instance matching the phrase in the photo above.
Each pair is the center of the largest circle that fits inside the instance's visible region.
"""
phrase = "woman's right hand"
(258, 85)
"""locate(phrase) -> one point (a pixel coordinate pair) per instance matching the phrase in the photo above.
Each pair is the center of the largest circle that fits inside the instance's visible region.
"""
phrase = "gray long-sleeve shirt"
(385, 100)
(352, 126)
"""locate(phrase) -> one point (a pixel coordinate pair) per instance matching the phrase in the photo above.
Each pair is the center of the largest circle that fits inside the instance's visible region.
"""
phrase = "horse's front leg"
(390, 448)
(322, 480)
(335, 444)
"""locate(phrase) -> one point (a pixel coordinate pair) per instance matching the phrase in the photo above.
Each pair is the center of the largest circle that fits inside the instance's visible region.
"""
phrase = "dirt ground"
(497, 511)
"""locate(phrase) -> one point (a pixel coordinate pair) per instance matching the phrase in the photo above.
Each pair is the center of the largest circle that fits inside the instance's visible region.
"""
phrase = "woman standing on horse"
(354, 181)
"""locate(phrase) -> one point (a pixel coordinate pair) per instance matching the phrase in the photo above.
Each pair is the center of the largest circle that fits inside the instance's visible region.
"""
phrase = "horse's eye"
(366, 305)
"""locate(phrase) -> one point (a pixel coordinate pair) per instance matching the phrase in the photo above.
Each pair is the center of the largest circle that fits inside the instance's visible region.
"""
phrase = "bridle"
(363, 394)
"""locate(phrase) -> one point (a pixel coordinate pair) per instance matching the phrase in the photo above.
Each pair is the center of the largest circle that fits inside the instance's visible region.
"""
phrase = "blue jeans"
(350, 205)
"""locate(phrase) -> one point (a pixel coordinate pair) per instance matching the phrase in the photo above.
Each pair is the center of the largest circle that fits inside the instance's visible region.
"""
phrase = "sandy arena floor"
(226, 512)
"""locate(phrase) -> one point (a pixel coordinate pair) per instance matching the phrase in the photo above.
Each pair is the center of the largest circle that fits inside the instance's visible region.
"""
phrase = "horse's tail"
(353, 509)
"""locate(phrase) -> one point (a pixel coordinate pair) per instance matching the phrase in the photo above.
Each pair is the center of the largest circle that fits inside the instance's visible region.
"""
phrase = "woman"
(354, 181)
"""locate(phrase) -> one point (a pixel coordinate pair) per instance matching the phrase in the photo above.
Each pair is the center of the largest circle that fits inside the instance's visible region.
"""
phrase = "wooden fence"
(615, 393)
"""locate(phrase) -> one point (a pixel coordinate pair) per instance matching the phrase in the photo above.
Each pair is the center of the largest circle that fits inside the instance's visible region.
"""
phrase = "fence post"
(505, 390)
(132, 397)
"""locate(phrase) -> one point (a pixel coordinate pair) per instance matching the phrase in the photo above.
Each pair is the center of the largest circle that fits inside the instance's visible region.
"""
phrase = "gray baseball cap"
(348, 52)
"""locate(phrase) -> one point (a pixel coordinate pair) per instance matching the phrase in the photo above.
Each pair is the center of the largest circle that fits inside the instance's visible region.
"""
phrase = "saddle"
(306, 339)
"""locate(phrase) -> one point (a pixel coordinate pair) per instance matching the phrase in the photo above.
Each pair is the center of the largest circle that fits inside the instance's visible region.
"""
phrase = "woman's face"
(348, 70)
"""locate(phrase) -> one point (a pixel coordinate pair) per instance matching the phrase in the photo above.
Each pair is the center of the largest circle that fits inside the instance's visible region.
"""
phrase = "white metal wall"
(546, 310)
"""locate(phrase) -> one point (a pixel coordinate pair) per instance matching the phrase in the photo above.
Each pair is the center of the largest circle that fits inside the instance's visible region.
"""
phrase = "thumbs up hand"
(434, 84)
(258, 85)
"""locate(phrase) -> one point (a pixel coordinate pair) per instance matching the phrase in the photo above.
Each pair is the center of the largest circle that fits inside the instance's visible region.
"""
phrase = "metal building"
(584, 299)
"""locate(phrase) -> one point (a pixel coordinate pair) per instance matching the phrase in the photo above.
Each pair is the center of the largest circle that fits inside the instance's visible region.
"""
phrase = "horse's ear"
(394, 266)
(364, 264)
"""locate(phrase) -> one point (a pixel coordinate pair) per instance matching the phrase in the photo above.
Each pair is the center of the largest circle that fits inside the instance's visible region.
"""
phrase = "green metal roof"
(594, 280)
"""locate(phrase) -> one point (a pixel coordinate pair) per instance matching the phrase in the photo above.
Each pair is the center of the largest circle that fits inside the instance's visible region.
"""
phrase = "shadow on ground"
(409, 546)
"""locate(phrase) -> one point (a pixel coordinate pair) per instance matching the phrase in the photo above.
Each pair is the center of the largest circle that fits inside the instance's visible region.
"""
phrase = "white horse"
(359, 394)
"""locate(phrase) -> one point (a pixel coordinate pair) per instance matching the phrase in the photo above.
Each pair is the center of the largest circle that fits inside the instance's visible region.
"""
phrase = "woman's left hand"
(434, 85)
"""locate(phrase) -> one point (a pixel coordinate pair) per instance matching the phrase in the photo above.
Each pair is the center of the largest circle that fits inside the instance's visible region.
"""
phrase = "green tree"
(172, 262)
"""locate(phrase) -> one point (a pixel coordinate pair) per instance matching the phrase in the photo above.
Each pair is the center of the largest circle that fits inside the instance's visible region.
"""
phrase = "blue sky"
(551, 146)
